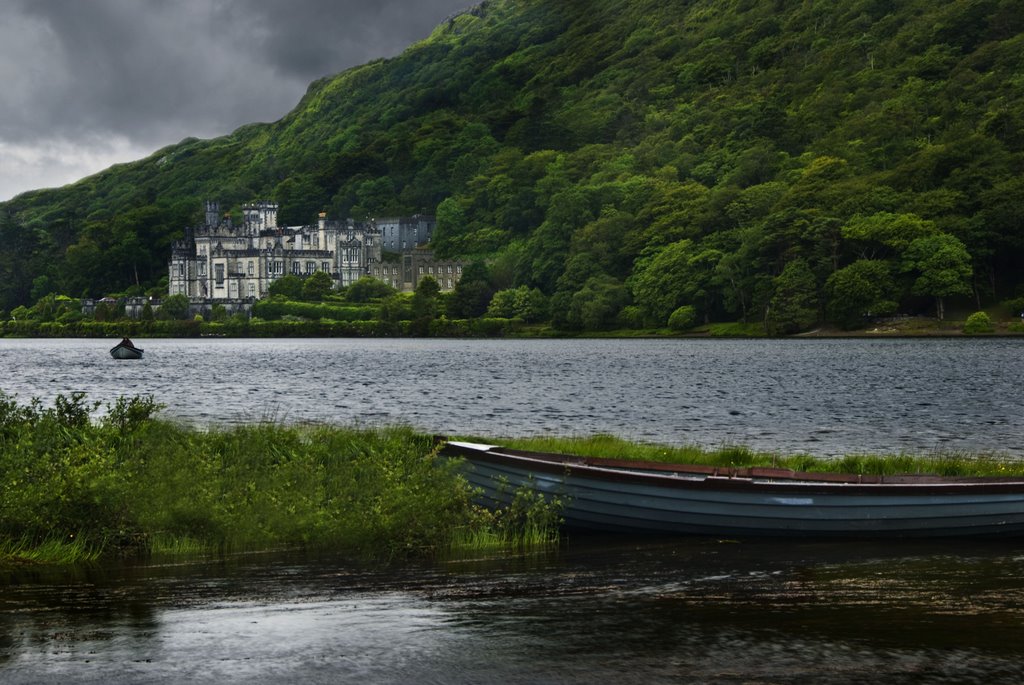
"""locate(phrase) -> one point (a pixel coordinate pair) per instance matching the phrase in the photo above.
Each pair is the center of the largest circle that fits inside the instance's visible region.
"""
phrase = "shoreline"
(910, 328)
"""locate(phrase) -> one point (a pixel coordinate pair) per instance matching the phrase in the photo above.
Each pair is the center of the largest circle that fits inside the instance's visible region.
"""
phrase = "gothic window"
(252, 290)
(325, 267)
(251, 268)
(295, 268)
(218, 270)
(181, 269)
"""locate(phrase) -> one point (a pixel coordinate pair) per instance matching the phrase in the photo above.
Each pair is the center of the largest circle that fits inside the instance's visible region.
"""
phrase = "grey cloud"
(311, 37)
(153, 70)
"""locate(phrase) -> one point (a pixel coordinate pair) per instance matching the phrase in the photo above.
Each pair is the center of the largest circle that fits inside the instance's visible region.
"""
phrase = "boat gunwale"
(750, 478)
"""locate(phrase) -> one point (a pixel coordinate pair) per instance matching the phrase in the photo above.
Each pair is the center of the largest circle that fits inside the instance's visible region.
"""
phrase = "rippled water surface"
(598, 610)
(821, 396)
(679, 611)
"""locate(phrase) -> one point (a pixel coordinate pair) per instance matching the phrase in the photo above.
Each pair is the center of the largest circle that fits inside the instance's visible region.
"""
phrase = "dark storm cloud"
(150, 68)
(314, 36)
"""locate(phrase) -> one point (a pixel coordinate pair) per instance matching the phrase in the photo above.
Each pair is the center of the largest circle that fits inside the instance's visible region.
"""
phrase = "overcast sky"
(88, 83)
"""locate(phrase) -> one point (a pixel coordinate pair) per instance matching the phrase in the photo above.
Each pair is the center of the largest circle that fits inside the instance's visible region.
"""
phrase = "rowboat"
(126, 350)
(644, 497)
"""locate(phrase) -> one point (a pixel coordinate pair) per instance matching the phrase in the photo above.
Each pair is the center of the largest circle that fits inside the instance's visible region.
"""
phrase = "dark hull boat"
(125, 350)
(642, 497)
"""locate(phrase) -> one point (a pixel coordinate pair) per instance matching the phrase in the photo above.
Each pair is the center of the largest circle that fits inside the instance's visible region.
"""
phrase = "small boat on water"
(126, 350)
(645, 497)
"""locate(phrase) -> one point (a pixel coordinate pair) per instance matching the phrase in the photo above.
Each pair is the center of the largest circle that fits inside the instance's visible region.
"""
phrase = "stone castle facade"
(220, 262)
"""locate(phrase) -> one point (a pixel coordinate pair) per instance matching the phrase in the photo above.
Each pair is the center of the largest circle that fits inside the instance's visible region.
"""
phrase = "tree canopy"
(578, 147)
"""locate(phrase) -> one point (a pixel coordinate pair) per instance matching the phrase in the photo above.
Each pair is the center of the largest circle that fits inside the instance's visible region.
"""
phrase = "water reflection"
(690, 610)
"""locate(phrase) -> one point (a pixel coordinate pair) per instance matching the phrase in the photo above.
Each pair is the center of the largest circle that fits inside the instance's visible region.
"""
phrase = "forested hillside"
(789, 161)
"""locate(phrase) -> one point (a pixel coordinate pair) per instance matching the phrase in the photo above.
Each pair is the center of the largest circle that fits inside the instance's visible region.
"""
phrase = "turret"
(212, 213)
(322, 226)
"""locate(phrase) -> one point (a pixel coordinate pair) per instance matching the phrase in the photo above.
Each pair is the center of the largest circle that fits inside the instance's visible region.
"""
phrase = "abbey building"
(221, 262)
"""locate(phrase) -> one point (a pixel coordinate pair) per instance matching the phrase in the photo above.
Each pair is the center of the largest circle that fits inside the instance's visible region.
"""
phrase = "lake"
(824, 397)
(600, 610)
(685, 610)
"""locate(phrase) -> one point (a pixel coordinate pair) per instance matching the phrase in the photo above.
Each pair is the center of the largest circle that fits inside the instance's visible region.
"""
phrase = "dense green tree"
(472, 293)
(677, 275)
(942, 268)
(451, 221)
(528, 304)
(424, 305)
(316, 286)
(289, 286)
(394, 309)
(794, 304)
(503, 304)
(886, 230)
(597, 304)
(173, 307)
(366, 289)
(16, 272)
(859, 291)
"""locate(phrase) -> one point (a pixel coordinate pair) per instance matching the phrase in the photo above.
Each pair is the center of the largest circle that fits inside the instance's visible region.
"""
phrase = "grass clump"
(610, 447)
(130, 483)
(48, 551)
(528, 524)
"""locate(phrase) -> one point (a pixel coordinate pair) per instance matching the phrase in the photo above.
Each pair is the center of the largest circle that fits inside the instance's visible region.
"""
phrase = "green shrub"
(1015, 306)
(631, 316)
(683, 319)
(978, 323)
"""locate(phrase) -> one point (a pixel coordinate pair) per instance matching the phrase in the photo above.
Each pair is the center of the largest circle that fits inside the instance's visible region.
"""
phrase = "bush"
(683, 319)
(1015, 306)
(367, 289)
(978, 323)
(631, 316)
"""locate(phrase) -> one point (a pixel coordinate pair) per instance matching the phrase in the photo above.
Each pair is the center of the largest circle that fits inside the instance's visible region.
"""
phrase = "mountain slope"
(664, 153)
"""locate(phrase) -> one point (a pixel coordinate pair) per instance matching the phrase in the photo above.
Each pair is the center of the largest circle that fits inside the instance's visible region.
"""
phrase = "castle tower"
(259, 216)
(212, 213)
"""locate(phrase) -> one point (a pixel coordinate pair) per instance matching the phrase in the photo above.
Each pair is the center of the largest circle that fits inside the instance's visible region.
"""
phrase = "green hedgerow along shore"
(76, 484)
